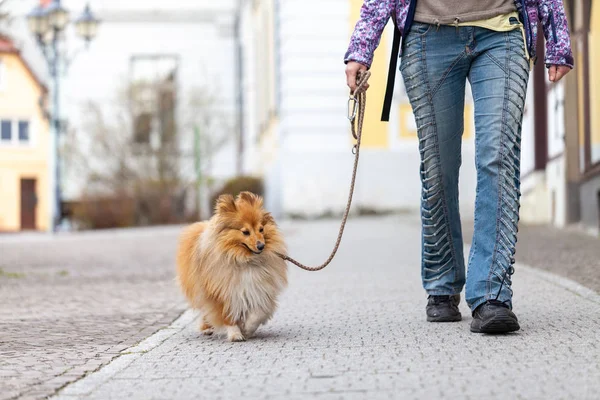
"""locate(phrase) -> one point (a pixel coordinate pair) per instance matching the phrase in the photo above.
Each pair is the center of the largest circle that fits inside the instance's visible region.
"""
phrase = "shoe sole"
(453, 318)
(503, 324)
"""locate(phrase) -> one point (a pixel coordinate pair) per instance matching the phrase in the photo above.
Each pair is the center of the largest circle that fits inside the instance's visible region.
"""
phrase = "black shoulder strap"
(389, 90)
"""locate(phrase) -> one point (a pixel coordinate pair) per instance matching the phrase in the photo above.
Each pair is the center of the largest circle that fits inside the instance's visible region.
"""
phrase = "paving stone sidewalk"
(357, 331)
(69, 305)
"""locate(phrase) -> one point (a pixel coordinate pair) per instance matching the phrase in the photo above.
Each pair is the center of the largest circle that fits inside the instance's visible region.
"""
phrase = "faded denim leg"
(435, 66)
(436, 63)
(499, 75)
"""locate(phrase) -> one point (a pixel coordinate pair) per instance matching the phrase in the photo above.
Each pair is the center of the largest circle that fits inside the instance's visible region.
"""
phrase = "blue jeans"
(436, 63)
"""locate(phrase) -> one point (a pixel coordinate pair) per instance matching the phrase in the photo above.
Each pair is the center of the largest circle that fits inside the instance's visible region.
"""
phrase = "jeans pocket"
(420, 28)
(417, 31)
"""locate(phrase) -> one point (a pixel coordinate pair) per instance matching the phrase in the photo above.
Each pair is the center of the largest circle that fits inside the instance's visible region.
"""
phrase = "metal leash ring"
(354, 108)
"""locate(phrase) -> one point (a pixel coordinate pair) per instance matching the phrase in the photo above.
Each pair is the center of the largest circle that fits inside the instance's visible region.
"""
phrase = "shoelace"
(498, 303)
(505, 277)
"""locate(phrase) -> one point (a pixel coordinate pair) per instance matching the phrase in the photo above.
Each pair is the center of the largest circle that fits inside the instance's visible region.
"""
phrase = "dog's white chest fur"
(252, 293)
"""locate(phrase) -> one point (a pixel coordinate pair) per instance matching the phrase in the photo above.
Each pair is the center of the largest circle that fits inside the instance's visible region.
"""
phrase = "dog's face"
(253, 235)
(246, 227)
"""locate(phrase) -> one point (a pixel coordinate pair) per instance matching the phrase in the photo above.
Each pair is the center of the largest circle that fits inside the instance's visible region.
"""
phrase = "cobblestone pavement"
(357, 330)
(71, 304)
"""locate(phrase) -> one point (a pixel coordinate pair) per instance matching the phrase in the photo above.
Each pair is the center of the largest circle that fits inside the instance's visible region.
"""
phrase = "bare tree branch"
(114, 152)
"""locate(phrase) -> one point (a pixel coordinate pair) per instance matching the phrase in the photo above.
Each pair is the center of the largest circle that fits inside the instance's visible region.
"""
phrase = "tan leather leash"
(356, 114)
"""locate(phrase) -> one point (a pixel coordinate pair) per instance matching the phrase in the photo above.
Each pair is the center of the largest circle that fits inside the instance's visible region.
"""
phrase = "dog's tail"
(187, 256)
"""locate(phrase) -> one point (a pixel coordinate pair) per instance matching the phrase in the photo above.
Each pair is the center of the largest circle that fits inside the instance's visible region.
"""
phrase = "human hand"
(556, 72)
(352, 69)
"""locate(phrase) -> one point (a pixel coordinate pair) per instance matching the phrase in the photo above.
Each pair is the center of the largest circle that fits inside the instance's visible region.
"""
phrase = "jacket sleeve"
(556, 31)
(374, 15)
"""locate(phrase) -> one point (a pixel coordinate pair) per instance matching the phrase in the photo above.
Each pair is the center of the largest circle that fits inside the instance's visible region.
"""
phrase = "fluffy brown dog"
(228, 268)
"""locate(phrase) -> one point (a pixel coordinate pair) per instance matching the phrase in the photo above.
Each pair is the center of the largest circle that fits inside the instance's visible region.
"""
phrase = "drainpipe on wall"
(238, 56)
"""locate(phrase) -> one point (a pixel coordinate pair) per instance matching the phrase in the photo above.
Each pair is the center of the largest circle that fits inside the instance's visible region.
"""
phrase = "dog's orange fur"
(222, 271)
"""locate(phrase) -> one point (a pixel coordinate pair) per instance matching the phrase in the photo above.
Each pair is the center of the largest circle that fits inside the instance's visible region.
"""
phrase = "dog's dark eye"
(261, 229)
(247, 233)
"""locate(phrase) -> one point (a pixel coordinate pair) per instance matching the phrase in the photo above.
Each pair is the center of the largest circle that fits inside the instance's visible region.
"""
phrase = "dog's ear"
(225, 204)
(268, 219)
(250, 198)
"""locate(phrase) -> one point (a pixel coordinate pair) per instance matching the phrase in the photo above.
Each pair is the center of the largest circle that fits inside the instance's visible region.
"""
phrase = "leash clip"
(353, 108)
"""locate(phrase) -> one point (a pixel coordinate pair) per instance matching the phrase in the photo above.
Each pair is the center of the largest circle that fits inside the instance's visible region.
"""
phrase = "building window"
(14, 132)
(6, 130)
(153, 93)
(23, 131)
(142, 128)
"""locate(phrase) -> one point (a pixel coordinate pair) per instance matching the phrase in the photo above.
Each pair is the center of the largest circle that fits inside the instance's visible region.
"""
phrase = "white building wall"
(544, 192)
(201, 34)
(534, 205)
(251, 160)
(315, 161)
(528, 134)
(556, 168)
(307, 162)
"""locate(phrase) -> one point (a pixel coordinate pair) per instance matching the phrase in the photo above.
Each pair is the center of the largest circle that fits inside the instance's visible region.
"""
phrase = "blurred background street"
(120, 121)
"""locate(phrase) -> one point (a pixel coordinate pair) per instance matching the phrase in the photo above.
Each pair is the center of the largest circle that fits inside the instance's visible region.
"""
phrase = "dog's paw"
(249, 332)
(234, 334)
(252, 323)
(208, 331)
(206, 328)
(236, 337)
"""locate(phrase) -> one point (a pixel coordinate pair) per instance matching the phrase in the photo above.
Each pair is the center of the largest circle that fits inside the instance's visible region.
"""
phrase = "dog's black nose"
(260, 246)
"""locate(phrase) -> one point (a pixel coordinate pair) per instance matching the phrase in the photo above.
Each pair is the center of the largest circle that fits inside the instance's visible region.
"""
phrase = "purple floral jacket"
(375, 14)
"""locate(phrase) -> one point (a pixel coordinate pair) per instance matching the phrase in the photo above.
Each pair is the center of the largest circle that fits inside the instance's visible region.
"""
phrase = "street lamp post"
(48, 25)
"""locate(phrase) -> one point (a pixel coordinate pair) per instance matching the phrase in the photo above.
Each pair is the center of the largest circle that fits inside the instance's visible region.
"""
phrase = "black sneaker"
(443, 308)
(494, 316)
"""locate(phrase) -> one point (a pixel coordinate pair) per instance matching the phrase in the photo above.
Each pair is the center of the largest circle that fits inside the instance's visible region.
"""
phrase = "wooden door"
(28, 204)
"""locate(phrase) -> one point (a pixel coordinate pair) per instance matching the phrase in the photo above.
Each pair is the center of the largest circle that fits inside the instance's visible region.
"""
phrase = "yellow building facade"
(24, 145)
